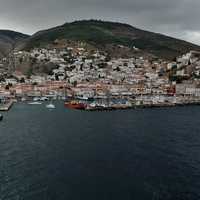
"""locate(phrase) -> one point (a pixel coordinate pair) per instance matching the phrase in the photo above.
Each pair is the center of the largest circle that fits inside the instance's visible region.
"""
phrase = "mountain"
(103, 34)
(9, 40)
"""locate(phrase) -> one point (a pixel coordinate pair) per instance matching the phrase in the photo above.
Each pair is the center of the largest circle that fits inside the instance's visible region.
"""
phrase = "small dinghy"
(1, 117)
(51, 106)
(35, 103)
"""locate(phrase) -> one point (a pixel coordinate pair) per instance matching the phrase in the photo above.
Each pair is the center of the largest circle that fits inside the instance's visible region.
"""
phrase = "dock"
(6, 106)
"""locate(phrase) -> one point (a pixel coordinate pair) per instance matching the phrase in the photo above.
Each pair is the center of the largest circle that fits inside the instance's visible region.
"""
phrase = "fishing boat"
(75, 105)
(1, 117)
(51, 106)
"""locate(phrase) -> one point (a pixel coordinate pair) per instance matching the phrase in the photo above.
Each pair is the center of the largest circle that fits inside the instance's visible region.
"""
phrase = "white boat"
(82, 98)
(1, 117)
(36, 99)
(35, 103)
(23, 99)
(50, 106)
(93, 105)
(63, 98)
(44, 99)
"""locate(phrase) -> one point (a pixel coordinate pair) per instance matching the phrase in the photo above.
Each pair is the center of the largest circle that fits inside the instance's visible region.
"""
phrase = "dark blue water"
(121, 155)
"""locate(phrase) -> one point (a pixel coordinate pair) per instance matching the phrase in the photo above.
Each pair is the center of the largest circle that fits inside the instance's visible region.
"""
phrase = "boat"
(35, 103)
(75, 105)
(23, 99)
(51, 106)
(36, 99)
(63, 98)
(84, 98)
(98, 107)
(44, 99)
(1, 117)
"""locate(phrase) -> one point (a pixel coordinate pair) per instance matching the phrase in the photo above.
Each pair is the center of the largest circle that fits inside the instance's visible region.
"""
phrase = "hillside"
(9, 40)
(103, 34)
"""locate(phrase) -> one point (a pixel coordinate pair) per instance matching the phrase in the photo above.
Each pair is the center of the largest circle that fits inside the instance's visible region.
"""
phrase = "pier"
(6, 106)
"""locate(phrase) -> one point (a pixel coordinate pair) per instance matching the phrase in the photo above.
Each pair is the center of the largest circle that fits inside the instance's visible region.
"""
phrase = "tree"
(118, 69)
(75, 83)
(20, 60)
(22, 80)
(7, 87)
(108, 58)
(35, 84)
(81, 68)
(91, 66)
(57, 77)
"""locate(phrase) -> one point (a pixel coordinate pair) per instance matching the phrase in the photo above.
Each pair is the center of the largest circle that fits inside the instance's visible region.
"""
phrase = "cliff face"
(10, 40)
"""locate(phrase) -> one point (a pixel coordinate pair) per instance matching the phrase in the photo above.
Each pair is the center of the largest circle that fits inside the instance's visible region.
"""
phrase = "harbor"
(105, 104)
(98, 84)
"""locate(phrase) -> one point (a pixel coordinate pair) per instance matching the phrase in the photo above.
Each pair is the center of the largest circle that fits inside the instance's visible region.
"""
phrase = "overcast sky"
(178, 18)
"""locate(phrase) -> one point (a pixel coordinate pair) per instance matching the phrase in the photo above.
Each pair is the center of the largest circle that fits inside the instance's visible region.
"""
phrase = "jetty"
(6, 106)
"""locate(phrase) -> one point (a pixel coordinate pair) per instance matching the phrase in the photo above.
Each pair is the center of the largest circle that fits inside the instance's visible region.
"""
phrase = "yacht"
(51, 106)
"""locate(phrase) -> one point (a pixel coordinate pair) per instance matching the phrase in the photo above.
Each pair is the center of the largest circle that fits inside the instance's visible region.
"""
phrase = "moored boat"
(23, 99)
(35, 103)
(51, 106)
(75, 105)
(1, 117)
(84, 98)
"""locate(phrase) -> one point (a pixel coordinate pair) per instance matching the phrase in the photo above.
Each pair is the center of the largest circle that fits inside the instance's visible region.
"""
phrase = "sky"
(177, 18)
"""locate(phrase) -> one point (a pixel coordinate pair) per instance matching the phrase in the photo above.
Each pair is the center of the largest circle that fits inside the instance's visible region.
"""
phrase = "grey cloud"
(178, 18)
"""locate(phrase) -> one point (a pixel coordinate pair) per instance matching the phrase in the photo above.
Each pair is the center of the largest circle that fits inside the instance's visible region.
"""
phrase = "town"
(97, 80)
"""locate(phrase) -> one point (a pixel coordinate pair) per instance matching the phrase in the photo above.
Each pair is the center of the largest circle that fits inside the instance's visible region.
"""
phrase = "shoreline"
(141, 107)
(7, 106)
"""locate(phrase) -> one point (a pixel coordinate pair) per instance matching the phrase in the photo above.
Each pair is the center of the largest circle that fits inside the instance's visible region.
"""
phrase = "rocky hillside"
(10, 40)
(109, 34)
